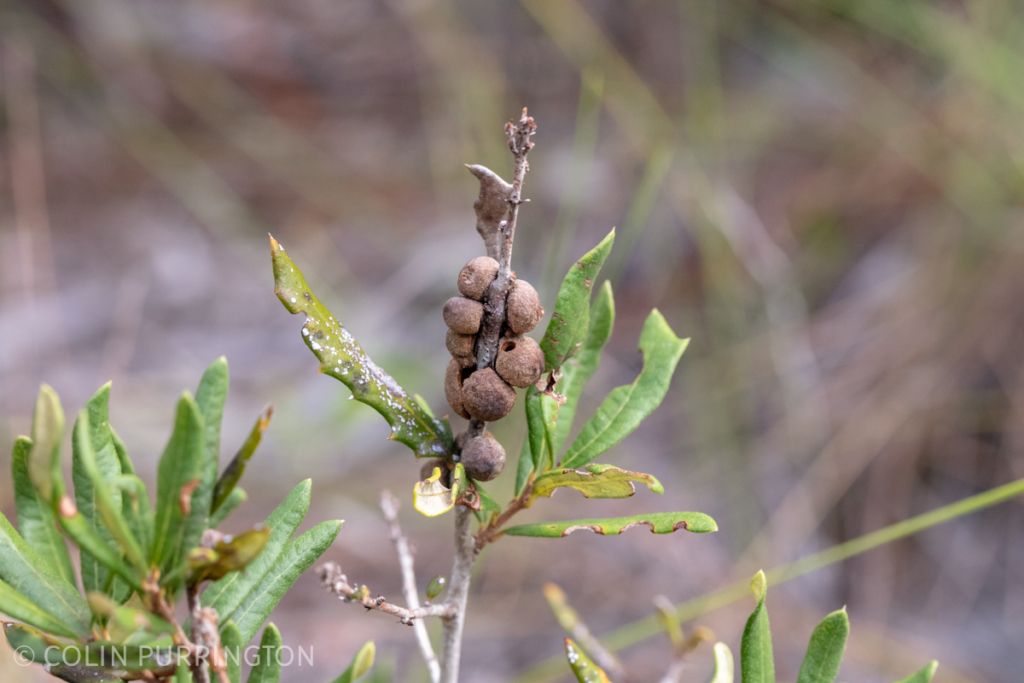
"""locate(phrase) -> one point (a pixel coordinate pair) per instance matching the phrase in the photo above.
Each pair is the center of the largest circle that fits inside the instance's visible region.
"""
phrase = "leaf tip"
(759, 585)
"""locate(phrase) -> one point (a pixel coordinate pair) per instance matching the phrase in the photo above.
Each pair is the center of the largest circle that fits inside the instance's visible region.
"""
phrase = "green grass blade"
(825, 649)
(342, 357)
(36, 521)
(627, 406)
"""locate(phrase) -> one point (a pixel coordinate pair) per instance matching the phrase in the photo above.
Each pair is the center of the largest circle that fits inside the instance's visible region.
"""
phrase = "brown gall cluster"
(488, 394)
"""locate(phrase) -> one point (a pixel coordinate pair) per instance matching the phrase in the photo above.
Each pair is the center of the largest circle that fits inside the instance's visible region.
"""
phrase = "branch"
(458, 594)
(336, 582)
(571, 622)
(389, 506)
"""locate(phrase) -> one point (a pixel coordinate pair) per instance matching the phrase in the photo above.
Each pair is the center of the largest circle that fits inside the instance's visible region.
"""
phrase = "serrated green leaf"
(569, 320)
(430, 497)
(361, 664)
(825, 649)
(232, 642)
(38, 582)
(595, 481)
(234, 499)
(657, 522)
(724, 671)
(627, 406)
(228, 593)
(267, 668)
(298, 555)
(582, 666)
(232, 554)
(581, 367)
(105, 501)
(36, 521)
(47, 432)
(17, 606)
(178, 475)
(343, 358)
(923, 675)
(757, 663)
(236, 468)
(211, 394)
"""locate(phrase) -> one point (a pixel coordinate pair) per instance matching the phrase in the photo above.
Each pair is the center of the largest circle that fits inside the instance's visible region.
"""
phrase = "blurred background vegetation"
(825, 196)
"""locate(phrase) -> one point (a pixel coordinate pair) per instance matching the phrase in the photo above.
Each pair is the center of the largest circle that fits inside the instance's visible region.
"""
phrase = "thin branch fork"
(336, 582)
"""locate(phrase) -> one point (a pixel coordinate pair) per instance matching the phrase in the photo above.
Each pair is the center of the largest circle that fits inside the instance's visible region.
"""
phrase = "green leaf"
(538, 434)
(124, 622)
(35, 516)
(17, 606)
(211, 394)
(228, 593)
(232, 642)
(236, 468)
(267, 668)
(524, 468)
(489, 507)
(96, 662)
(595, 481)
(234, 499)
(38, 581)
(922, 676)
(47, 432)
(657, 522)
(178, 475)
(569, 320)
(581, 367)
(135, 503)
(85, 536)
(431, 498)
(229, 555)
(757, 664)
(105, 503)
(825, 649)
(343, 358)
(361, 664)
(298, 555)
(583, 666)
(627, 406)
(724, 667)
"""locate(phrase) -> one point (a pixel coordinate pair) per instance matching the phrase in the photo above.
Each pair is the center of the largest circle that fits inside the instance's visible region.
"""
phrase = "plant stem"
(389, 506)
(458, 593)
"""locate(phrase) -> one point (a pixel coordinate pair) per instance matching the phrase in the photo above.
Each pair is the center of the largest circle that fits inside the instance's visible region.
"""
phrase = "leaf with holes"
(595, 481)
(342, 357)
(657, 522)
